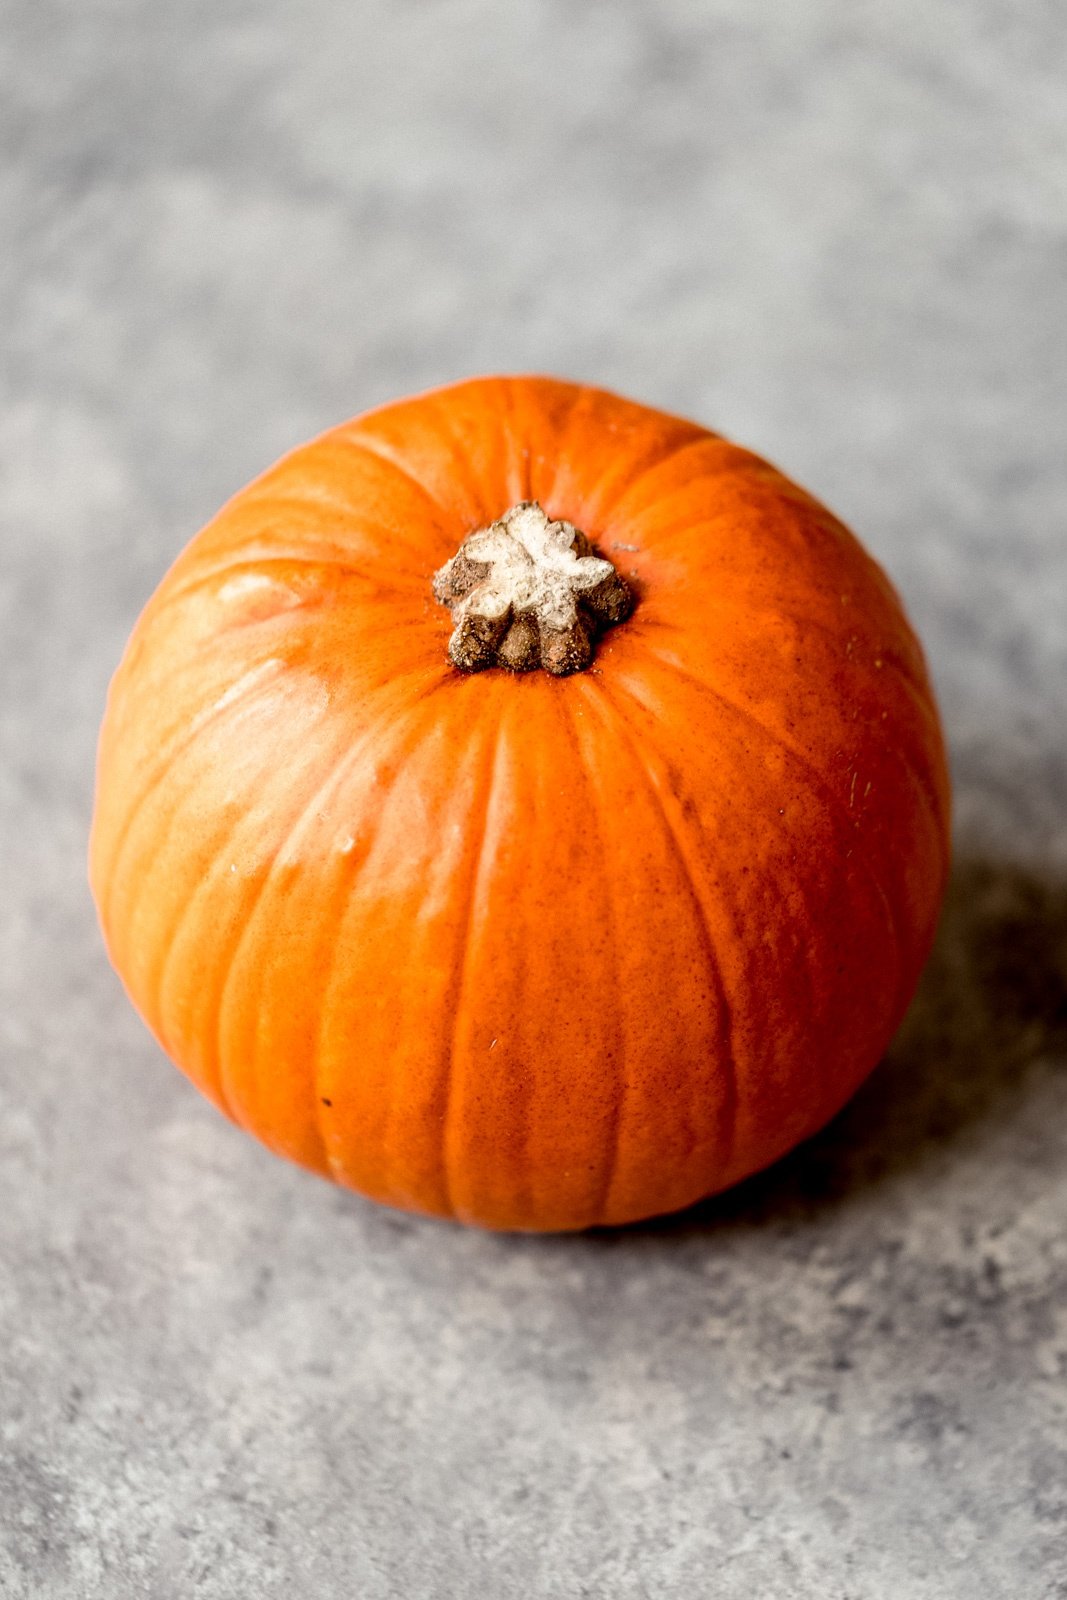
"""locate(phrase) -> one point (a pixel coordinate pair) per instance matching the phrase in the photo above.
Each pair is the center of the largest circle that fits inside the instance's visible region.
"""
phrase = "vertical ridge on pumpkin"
(564, 495)
(674, 836)
(657, 496)
(158, 985)
(162, 768)
(819, 1064)
(536, 412)
(914, 725)
(227, 1060)
(480, 810)
(146, 874)
(523, 1118)
(663, 459)
(515, 443)
(238, 1100)
(483, 477)
(371, 445)
(355, 864)
(599, 1210)
(380, 1041)
(817, 785)
(625, 458)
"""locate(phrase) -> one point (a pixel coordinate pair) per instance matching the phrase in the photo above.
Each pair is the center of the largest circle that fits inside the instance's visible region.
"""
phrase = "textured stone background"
(836, 230)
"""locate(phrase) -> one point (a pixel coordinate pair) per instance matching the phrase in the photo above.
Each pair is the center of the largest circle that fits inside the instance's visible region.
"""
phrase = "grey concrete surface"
(837, 231)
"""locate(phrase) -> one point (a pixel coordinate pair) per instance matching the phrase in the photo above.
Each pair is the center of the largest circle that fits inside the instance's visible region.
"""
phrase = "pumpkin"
(522, 806)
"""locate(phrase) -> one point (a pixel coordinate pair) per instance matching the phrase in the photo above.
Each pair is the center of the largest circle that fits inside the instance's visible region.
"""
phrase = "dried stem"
(528, 592)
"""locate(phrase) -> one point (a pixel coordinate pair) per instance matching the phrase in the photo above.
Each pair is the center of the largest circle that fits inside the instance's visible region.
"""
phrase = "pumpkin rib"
(252, 565)
(653, 750)
(156, 982)
(685, 530)
(333, 1160)
(383, 452)
(891, 654)
(219, 1005)
(766, 500)
(234, 696)
(518, 444)
(682, 528)
(533, 397)
(674, 835)
(244, 701)
(347, 514)
(339, 507)
(617, 1061)
(583, 393)
(340, 768)
(265, 493)
(818, 787)
(472, 483)
(727, 604)
(405, 739)
(670, 458)
(220, 849)
(919, 777)
(274, 488)
(307, 607)
(240, 626)
(659, 452)
(480, 807)
(912, 685)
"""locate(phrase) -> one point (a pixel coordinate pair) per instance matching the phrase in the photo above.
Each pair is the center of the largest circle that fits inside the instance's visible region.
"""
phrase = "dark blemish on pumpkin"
(326, 1102)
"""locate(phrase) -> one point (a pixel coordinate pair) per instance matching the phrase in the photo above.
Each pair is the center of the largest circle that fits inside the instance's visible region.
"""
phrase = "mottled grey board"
(836, 231)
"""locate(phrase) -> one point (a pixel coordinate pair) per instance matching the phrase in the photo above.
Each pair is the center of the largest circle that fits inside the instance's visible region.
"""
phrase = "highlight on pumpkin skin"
(528, 592)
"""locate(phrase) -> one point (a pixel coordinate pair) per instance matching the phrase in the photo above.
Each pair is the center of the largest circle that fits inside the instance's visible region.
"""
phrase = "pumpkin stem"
(528, 592)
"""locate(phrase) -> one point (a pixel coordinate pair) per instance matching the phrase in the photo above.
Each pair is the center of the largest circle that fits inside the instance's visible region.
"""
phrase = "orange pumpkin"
(532, 949)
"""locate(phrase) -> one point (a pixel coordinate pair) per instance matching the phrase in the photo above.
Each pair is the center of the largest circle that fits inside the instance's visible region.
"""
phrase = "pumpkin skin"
(526, 951)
